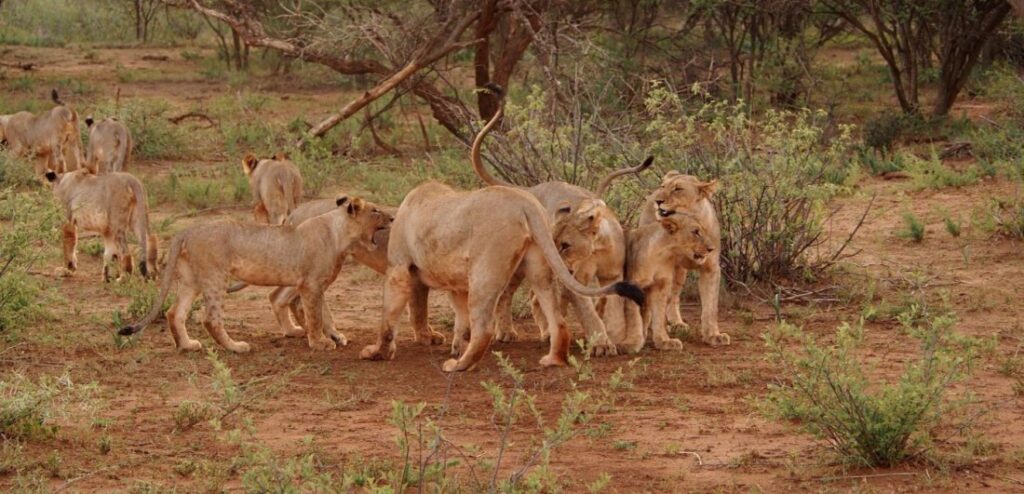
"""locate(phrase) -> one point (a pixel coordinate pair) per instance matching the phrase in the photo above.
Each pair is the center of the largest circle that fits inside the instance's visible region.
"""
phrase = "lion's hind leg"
(282, 299)
(397, 292)
(313, 309)
(213, 299)
(177, 315)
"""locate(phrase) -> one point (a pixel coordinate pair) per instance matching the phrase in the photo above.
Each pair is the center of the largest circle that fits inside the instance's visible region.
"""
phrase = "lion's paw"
(190, 346)
(717, 339)
(322, 344)
(507, 336)
(240, 347)
(606, 349)
(669, 344)
(433, 338)
(339, 338)
(450, 365)
(552, 361)
(373, 352)
(295, 332)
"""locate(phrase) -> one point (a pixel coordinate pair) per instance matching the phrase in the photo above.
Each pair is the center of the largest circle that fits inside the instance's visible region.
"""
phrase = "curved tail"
(56, 97)
(288, 188)
(165, 288)
(542, 236)
(124, 149)
(474, 154)
(607, 182)
(140, 226)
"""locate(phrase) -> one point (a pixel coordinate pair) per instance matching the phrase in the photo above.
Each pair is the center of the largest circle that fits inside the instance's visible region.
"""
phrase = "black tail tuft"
(128, 330)
(55, 97)
(51, 175)
(630, 291)
(494, 88)
(89, 121)
(144, 269)
(647, 163)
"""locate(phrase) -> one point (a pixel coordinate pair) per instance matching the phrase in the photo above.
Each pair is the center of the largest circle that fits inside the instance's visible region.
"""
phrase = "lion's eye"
(696, 231)
(565, 245)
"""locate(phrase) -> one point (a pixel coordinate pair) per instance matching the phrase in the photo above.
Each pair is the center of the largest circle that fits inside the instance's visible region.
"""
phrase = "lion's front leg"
(282, 300)
(397, 291)
(659, 296)
(70, 239)
(418, 316)
(599, 343)
(313, 309)
(709, 286)
(675, 318)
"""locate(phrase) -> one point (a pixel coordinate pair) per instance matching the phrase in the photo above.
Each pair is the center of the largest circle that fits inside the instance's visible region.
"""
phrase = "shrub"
(912, 229)
(870, 423)
(933, 174)
(33, 224)
(1008, 217)
(16, 172)
(29, 408)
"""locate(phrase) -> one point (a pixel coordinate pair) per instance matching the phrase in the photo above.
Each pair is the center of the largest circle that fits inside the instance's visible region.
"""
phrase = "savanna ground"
(141, 417)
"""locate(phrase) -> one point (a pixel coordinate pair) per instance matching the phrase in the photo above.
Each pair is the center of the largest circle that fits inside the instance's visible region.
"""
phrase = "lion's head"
(688, 236)
(681, 193)
(575, 230)
(371, 222)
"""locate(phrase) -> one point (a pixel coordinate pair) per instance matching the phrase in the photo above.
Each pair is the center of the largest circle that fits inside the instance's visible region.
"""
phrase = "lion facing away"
(471, 244)
(110, 205)
(110, 146)
(685, 194)
(573, 205)
(308, 256)
(50, 137)
(655, 251)
(276, 185)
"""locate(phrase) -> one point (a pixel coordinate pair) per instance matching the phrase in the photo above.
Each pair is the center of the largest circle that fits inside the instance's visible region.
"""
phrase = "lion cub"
(110, 145)
(654, 251)
(111, 205)
(308, 256)
(276, 185)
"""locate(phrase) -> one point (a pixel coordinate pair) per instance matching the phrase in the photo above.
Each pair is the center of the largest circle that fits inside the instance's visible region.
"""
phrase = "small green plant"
(933, 174)
(622, 445)
(190, 412)
(953, 225)
(913, 229)
(33, 222)
(29, 408)
(829, 390)
(16, 173)
(1008, 217)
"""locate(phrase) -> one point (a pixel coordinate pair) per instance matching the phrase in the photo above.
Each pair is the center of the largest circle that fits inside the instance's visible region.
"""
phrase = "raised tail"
(165, 288)
(474, 154)
(542, 237)
(607, 182)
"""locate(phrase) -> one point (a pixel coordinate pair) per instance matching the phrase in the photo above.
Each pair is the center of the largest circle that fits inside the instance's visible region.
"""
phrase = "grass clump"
(913, 229)
(833, 394)
(33, 224)
(29, 408)
(153, 135)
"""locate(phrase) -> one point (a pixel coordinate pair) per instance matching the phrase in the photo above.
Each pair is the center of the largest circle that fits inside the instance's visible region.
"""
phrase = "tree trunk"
(139, 34)
(236, 50)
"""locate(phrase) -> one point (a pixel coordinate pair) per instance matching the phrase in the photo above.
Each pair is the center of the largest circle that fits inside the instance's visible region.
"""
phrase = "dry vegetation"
(873, 258)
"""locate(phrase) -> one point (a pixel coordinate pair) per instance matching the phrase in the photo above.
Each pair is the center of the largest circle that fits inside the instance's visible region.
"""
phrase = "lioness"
(52, 137)
(655, 250)
(111, 205)
(577, 206)
(680, 193)
(110, 145)
(276, 184)
(308, 256)
(471, 244)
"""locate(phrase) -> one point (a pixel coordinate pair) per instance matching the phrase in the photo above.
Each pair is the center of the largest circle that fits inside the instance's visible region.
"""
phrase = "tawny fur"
(686, 194)
(110, 146)
(308, 256)
(51, 138)
(276, 186)
(471, 244)
(111, 205)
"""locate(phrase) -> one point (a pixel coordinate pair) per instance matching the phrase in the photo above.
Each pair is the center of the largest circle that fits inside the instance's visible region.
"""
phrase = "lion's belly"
(445, 272)
(91, 218)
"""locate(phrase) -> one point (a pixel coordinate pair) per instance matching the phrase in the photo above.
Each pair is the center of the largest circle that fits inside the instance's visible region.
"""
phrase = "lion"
(276, 185)
(578, 206)
(308, 256)
(679, 193)
(656, 249)
(471, 244)
(110, 145)
(52, 137)
(111, 205)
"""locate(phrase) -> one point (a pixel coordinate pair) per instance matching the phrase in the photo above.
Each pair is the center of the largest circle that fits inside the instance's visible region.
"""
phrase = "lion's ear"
(280, 156)
(355, 206)
(249, 163)
(563, 209)
(51, 176)
(670, 175)
(341, 201)
(707, 189)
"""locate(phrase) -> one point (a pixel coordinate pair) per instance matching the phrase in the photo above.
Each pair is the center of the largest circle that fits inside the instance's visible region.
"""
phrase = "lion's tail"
(542, 237)
(165, 288)
(124, 151)
(474, 154)
(288, 188)
(607, 182)
(140, 225)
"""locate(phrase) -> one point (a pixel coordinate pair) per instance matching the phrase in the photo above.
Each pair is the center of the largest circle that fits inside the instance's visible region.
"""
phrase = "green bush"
(153, 135)
(1008, 217)
(912, 229)
(933, 174)
(15, 172)
(835, 396)
(33, 224)
(29, 408)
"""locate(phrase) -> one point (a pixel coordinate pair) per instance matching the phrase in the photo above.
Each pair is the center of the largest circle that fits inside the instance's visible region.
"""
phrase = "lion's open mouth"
(380, 235)
(664, 213)
(698, 257)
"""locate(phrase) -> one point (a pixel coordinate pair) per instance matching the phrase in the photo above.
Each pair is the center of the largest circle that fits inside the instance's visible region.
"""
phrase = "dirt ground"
(689, 423)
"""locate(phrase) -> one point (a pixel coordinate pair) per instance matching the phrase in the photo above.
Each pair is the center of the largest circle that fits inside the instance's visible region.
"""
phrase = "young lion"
(680, 193)
(276, 184)
(111, 205)
(51, 136)
(308, 256)
(471, 244)
(604, 264)
(655, 250)
(110, 146)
